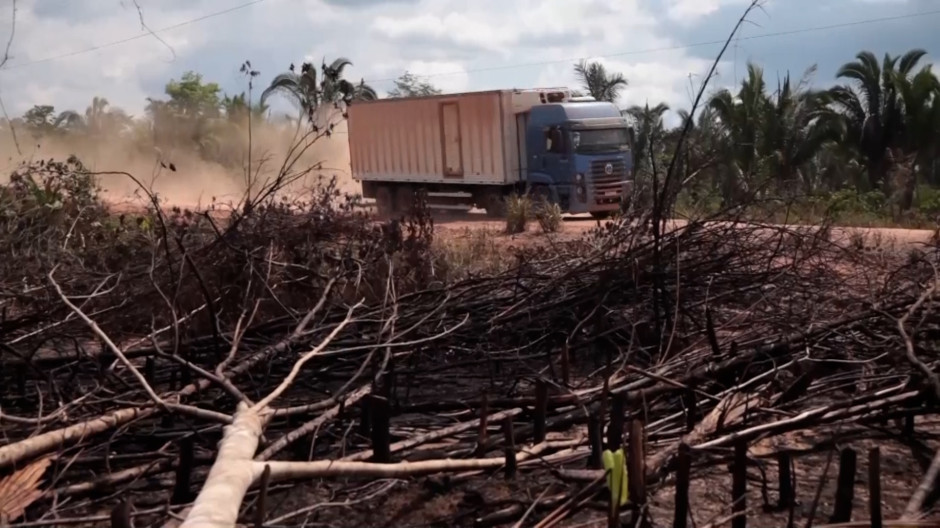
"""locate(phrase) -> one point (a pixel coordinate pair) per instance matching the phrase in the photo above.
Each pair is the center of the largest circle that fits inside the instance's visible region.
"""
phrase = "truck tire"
(404, 199)
(495, 204)
(601, 215)
(384, 202)
(538, 193)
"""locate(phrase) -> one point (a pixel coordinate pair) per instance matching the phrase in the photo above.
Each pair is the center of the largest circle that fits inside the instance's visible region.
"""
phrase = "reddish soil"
(574, 227)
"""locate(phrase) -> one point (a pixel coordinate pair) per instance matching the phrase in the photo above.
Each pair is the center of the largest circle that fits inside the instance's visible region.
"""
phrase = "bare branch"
(264, 403)
(144, 26)
(107, 340)
(3, 62)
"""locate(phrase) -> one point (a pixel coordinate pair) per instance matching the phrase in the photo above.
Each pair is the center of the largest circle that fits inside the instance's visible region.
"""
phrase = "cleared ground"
(575, 226)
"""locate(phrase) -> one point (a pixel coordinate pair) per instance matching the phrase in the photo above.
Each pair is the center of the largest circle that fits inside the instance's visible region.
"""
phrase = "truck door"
(556, 160)
(450, 137)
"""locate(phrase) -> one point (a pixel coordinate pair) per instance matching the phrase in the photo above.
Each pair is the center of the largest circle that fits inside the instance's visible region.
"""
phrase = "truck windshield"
(599, 140)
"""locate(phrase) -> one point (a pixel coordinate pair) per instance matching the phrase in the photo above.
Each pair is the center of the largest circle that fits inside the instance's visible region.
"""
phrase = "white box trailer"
(474, 148)
(461, 144)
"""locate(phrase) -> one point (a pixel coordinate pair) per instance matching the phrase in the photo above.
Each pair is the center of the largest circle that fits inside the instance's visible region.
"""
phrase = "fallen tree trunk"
(16, 453)
(29, 448)
(234, 471)
(231, 475)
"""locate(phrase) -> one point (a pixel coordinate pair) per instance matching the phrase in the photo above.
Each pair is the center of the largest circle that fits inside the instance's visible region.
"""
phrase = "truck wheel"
(540, 193)
(602, 215)
(384, 203)
(404, 199)
(494, 204)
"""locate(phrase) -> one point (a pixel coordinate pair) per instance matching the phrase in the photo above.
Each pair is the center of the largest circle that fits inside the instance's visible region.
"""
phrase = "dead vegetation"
(348, 360)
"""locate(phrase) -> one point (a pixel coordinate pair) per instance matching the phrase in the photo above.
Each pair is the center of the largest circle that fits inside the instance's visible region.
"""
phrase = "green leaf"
(615, 465)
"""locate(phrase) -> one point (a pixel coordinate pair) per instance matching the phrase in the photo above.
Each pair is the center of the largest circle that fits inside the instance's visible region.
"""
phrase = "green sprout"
(615, 465)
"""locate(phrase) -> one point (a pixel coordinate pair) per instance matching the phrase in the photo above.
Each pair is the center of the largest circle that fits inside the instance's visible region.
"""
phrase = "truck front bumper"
(588, 199)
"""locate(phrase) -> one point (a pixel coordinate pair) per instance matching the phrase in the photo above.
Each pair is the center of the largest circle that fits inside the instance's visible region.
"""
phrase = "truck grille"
(607, 187)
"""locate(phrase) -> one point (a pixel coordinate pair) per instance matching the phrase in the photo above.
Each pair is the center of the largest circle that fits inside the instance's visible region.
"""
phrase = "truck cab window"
(603, 140)
(554, 141)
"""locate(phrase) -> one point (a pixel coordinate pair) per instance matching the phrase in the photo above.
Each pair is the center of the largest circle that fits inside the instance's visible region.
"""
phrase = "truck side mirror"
(632, 133)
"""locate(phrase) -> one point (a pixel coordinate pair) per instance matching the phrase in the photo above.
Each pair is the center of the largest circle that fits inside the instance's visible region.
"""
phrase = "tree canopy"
(410, 85)
(872, 141)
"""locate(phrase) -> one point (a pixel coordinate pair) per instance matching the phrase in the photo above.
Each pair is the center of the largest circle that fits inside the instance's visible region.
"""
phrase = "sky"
(65, 52)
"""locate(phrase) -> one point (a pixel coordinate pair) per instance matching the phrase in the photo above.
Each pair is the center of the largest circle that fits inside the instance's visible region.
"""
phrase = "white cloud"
(453, 27)
(449, 76)
(688, 10)
(484, 44)
(71, 81)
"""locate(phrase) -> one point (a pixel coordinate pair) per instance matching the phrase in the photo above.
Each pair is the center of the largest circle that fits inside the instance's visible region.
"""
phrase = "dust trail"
(196, 181)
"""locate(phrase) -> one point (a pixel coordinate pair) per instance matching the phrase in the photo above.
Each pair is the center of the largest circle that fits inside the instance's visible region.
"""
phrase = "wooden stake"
(565, 366)
(184, 470)
(691, 409)
(481, 432)
(149, 370)
(365, 417)
(845, 490)
(510, 448)
(615, 428)
(683, 477)
(381, 437)
(785, 480)
(739, 486)
(121, 515)
(636, 463)
(595, 439)
(710, 332)
(541, 408)
(874, 487)
(909, 428)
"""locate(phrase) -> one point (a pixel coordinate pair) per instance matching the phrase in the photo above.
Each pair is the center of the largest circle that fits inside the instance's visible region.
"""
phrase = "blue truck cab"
(580, 156)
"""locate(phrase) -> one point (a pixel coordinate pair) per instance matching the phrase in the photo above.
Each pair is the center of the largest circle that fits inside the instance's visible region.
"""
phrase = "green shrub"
(851, 201)
(927, 200)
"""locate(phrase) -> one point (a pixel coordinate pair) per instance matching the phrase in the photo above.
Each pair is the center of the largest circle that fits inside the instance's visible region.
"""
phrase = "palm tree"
(794, 130)
(872, 109)
(701, 152)
(739, 117)
(336, 89)
(772, 136)
(95, 114)
(69, 120)
(308, 92)
(236, 108)
(102, 119)
(598, 83)
(920, 96)
(648, 123)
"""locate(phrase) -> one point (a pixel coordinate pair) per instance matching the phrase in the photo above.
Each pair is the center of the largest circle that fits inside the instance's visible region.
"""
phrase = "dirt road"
(577, 225)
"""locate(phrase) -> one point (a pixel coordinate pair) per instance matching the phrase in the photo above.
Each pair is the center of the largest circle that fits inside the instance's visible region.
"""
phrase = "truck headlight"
(579, 178)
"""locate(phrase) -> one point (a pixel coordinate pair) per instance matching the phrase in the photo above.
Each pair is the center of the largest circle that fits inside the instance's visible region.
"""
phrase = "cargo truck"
(474, 149)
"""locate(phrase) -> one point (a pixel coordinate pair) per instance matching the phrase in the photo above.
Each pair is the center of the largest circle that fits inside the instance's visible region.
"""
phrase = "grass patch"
(518, 213)
(548, 216)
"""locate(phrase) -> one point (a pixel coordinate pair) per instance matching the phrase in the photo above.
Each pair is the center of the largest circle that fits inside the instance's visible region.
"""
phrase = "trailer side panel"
(459, 140)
